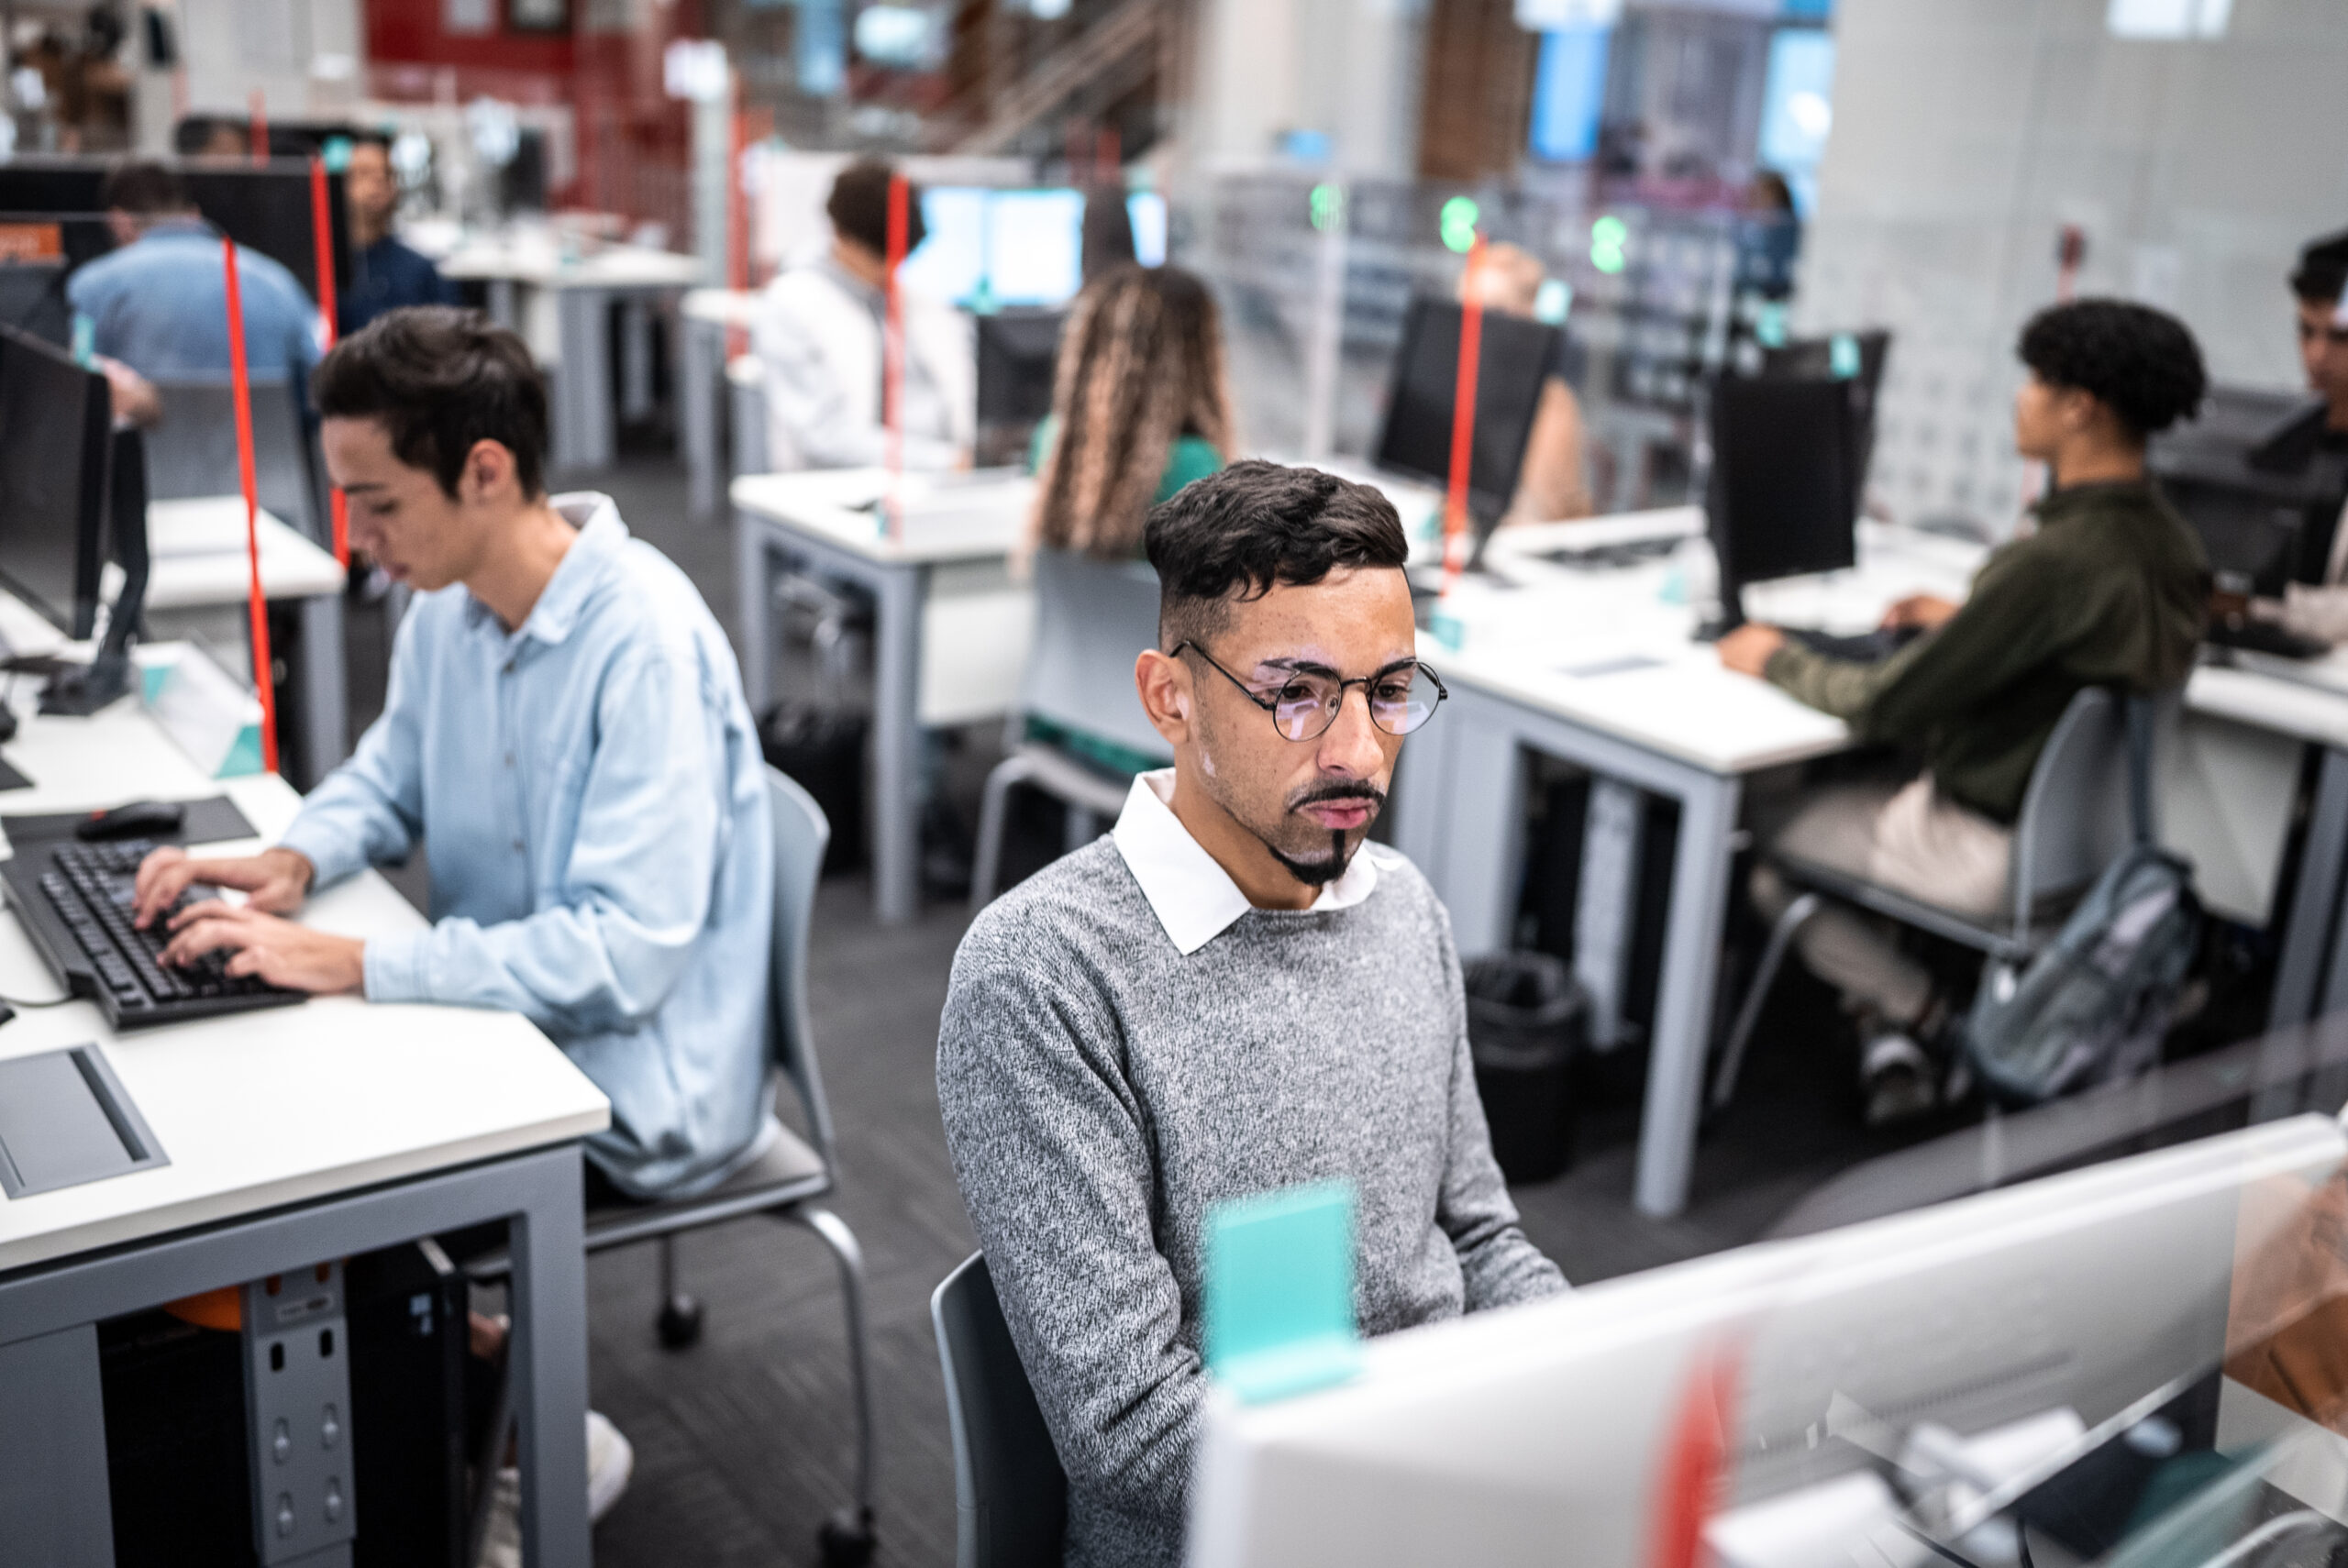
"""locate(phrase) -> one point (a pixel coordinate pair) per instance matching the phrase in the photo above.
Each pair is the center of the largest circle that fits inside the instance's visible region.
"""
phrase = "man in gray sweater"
(1229, 995)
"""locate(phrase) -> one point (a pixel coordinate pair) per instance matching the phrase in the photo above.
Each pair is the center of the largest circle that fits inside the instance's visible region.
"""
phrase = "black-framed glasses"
(1401, 697)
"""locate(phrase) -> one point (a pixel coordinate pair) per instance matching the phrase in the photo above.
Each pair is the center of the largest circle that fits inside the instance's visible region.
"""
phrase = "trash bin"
(1526, 1020)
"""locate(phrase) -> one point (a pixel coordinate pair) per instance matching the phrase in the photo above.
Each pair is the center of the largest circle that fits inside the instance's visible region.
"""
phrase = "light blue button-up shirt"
(160, 304)
(588, 792)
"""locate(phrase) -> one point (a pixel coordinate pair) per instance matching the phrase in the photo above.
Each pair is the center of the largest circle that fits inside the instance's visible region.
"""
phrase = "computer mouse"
(138, 819)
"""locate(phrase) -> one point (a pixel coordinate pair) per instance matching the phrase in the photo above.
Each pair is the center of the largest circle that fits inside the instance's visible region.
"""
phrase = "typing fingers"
(162, 877)
(207, 929)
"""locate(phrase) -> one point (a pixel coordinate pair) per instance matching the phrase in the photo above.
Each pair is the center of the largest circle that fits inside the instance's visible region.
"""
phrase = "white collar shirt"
(1193, 897)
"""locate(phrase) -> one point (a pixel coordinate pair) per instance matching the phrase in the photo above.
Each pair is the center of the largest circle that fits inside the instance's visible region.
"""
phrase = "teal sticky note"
(1280, 1291)
(1843, 357)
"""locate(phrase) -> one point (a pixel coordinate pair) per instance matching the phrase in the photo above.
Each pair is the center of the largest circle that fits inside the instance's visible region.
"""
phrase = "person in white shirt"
(820, 336)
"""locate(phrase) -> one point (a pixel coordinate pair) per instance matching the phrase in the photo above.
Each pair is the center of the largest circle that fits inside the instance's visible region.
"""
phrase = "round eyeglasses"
(1401, 697)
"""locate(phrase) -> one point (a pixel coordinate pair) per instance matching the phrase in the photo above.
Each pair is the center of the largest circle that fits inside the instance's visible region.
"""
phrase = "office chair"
(2074, 822)
(191, 450)
(1092, 617)
(788, 1179)
(1010, 1493)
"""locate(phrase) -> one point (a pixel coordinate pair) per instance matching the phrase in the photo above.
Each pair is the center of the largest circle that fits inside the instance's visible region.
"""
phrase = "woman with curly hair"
(1140, 408)
(2111, 590)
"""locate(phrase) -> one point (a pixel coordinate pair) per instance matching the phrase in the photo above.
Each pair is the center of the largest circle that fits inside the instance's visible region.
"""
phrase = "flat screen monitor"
(1782, 502)
(2256, 477)
(985, 249)
(1515, 356)
(54, 428)
(1018, 353)
(1146, 210)
(265, 208)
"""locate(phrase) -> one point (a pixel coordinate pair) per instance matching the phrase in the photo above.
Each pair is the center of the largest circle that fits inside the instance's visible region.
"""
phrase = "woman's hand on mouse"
(275, 881)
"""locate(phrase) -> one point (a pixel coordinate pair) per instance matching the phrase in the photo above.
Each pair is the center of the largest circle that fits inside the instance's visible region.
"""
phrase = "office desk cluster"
(291, 1137)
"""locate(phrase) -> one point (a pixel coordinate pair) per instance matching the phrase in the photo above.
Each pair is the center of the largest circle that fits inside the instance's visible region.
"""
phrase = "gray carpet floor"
(744, 1442)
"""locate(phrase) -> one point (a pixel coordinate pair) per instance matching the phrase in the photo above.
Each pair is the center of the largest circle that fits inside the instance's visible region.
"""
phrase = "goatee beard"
(1317, 873)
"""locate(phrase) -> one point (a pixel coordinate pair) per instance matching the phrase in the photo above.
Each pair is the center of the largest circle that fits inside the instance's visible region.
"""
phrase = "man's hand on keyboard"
(1926, 612)
(275, 882)
(268, 945)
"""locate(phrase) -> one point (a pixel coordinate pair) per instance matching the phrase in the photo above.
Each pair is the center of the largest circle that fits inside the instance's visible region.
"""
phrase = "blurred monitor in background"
(819, 335)
(1552, 484)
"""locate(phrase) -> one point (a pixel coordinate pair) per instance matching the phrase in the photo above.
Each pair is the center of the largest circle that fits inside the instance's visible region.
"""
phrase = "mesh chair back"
(801, 834)
(1092, 618)
(2075, 817)
(1010, 1493)
(192, 449)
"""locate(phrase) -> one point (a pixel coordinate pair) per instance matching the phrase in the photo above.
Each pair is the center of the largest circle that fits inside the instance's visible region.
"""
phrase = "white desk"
(949, 631)
(578, 290)
(707, 320)
(197, 561)
(294, 1136)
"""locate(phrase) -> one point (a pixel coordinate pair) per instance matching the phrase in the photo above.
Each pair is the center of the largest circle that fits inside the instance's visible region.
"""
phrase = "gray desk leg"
(55, 1506)
(549, 1366)
(896, 744)
(754, 609)
(1482, 853)
(636, 357)
(1606, 904)
(583, 411)
(1684, 1002)
(325, 691)
(502, 308)
(700, 353)
(2306, 940)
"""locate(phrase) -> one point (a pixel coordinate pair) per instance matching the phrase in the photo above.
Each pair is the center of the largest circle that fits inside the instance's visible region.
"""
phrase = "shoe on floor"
(610, 1462)
(1897, 1077)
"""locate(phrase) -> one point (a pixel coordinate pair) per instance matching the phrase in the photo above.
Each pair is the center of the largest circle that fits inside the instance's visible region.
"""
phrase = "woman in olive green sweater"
(2110, 589)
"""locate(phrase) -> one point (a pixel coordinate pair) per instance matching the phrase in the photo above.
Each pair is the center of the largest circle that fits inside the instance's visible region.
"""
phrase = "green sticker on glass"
(1280, 1291)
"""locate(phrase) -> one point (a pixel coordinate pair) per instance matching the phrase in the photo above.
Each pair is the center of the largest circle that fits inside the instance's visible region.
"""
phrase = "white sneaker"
(610, 1462)
(1897, 1077)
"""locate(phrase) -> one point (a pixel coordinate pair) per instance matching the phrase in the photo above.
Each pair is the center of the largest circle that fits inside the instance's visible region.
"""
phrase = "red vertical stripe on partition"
(240, 383)
(1463, 417)
(893, 373)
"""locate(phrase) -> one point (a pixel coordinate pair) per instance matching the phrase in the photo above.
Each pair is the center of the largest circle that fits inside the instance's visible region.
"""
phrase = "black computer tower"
(177, 1452)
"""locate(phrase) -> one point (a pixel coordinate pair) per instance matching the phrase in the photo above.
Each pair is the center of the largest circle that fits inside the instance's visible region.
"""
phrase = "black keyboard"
(75, 900)
(1863, 647)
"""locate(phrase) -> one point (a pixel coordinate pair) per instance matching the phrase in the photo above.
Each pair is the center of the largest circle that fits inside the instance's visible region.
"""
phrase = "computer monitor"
(265, 208)
(1515, 356)
(1018, 354)
(1146, 210)
(1781, 501)
(2260, 485)
(1785, 1402)
(986, 249)
(1854, 358)
(55, 424)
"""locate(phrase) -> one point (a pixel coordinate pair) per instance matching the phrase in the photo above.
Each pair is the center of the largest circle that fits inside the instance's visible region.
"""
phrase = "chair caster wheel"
(847, 1538)
(679, 1322)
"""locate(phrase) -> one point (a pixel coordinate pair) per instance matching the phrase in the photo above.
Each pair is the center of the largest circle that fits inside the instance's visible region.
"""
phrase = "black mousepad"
(211, 821)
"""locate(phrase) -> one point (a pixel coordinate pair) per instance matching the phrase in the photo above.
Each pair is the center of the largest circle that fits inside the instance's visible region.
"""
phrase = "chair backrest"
(2075, 818)
(801, 834)
(1092, 618)
(1010, 1493)
(192, 449)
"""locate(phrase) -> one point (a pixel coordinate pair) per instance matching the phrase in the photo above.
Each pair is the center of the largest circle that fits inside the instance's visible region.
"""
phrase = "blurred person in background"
(1141, 406)
(820, 334)
(211, 136)
(159, 305)
(2320, 289)
(1107, 235)
(1552, 484)
(384, 273)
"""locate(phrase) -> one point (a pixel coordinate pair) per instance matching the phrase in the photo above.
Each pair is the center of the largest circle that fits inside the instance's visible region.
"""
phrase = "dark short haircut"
(859, 206)
(192, 135)
(2139, 362)
(2321, 275)
(1235, 536)
(142, 187)
(440, 380)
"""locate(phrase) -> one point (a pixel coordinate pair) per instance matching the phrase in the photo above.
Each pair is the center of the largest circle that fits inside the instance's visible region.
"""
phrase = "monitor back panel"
(1783, 502)
(1514, 358)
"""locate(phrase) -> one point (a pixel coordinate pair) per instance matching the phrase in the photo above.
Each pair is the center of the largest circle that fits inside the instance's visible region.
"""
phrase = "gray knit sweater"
(1101, 1090)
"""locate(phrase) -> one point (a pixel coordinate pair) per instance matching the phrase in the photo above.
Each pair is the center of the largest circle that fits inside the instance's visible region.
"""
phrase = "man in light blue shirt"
(565, 735)
(160, 304)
